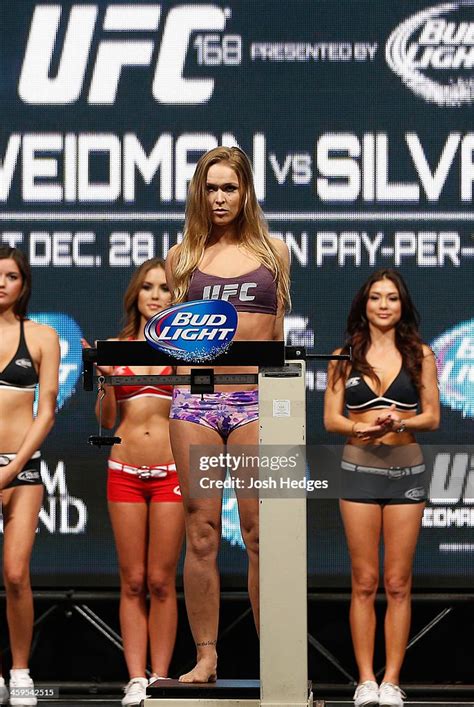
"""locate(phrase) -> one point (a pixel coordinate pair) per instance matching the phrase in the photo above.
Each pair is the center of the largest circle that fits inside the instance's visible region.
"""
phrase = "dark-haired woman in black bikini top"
(390, 392)
(29, 355)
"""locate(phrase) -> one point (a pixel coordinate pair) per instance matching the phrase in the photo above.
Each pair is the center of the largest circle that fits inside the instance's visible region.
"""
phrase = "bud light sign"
(433, 55)
(193, 331)
(455, 357)
(70, 335)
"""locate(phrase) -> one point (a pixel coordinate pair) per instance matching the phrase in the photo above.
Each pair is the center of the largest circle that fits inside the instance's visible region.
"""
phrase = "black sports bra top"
(20, 374)
(401, 392)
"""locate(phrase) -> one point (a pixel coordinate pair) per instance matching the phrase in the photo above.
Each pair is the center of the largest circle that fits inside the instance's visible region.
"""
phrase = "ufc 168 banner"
(357, 119)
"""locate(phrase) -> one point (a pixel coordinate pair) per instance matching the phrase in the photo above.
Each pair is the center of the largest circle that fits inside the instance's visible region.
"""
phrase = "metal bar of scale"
(283, 562)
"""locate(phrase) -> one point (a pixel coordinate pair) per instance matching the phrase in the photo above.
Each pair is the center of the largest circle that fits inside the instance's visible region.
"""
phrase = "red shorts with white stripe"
(142, 484)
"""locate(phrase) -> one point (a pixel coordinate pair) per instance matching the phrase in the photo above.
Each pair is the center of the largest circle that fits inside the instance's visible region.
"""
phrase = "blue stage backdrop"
(358, 119)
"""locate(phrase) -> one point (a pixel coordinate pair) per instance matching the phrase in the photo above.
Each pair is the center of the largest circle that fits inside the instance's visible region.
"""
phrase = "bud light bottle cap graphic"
(70, 335)
(193, 331)
(455, 359)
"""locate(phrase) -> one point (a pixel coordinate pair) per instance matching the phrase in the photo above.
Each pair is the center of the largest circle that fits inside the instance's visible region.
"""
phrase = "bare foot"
(204, 671)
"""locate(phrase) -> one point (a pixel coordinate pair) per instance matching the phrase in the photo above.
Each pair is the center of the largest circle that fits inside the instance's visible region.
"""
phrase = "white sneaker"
(22, 689)
(391, 695)
(152, 678)
(135, 692)
(3, 692)
(366, 694)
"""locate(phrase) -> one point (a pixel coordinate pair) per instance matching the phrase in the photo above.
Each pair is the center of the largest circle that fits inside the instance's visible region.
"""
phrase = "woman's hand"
(102, 370)
(390, 420)
(365, 431)
(7, 474)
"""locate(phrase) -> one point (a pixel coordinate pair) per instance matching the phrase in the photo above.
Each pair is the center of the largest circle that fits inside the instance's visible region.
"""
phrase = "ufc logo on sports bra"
(225, 292)
(352, 382)
(23, 363)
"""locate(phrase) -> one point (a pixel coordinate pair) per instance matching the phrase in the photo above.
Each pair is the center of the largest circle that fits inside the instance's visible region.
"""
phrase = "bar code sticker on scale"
(281, 408)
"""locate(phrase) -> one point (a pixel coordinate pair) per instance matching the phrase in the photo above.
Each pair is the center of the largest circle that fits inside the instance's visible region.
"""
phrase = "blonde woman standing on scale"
(226, 248)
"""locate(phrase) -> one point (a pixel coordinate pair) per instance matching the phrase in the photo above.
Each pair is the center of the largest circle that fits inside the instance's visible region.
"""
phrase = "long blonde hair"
(251, 225)
(132, 316)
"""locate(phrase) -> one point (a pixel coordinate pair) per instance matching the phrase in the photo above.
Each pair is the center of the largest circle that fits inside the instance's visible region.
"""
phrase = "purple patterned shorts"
(223, 412)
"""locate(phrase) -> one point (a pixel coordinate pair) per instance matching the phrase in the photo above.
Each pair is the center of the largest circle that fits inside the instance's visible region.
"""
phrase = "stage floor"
(114, 701)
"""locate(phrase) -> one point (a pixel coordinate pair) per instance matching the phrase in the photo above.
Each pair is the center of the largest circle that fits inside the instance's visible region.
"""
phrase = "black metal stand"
(447, 606)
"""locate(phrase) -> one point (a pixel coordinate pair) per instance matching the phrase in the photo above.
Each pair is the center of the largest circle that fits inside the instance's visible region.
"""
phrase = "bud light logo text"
(433, 53)
(455, 357)
(193, 331)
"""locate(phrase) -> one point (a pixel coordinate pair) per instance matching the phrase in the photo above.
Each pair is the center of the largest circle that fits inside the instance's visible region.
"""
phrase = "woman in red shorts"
(143, 494)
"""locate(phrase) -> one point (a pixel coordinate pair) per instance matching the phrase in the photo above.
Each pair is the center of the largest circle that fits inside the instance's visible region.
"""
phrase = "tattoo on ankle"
(206, 643)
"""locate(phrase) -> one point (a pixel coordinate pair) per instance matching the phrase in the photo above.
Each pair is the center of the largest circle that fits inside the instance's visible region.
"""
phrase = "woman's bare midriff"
(251, 327)
(144, 433)
(17, 418)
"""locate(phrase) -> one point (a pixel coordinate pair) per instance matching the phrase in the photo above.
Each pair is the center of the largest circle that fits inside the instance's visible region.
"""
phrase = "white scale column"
(283, 562)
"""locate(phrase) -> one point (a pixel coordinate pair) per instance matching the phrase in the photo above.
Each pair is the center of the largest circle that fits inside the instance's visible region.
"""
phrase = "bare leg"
(401, 526)
(166, 532)
(248, 512)
(362, 524)
(129, 523)
(203, 532)
(21, 506)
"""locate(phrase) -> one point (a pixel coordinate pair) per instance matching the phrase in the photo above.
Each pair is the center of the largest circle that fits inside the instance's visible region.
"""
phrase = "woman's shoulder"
(173, 252)
(171, 261)
(427, 351)
(336, 363)
(43, 332)
(428, 358)
(338, 371)
(280, 246)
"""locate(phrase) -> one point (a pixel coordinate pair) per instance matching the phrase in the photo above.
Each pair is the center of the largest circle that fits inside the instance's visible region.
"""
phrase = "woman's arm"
(48, 374)
(334, 418)
(284, 253)
(169, 269)
(429, 417)
(109, 403)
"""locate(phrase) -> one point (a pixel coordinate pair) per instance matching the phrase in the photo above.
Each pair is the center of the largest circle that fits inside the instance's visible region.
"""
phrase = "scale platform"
(224, 689)
(228, 693)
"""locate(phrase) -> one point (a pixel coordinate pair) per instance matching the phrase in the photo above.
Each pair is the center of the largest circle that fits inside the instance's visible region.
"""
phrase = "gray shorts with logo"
(30, 475)
(383, 474)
